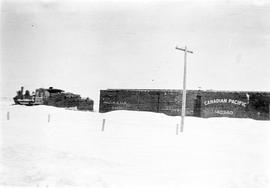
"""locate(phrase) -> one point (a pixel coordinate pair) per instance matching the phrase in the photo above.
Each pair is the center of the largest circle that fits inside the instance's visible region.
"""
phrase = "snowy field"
(136, 149)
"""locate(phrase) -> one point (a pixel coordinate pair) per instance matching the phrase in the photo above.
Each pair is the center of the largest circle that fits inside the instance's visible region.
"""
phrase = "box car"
(200, 103)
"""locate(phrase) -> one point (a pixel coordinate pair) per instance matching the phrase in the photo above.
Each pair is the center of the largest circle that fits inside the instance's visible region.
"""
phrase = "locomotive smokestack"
(21, 97)
(22, 90)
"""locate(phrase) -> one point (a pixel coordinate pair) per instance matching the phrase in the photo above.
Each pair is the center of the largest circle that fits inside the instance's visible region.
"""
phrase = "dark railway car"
(199, 103)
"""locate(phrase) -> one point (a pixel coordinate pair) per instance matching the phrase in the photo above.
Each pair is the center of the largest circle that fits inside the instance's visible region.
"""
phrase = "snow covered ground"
(137, 149)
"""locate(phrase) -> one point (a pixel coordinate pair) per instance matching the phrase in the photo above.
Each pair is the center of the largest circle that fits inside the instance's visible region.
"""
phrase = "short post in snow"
(49, 118)
(103, 125)
(7, 115)
(177, 127)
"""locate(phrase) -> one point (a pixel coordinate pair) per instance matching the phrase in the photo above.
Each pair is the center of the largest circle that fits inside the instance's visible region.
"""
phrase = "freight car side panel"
(199, 103)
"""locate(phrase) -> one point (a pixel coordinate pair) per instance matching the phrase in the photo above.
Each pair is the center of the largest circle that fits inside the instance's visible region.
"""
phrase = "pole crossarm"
(177, 48)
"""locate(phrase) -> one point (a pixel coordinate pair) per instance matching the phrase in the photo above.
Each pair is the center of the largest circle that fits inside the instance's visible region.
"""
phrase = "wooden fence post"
(49, 117)
(103, 125)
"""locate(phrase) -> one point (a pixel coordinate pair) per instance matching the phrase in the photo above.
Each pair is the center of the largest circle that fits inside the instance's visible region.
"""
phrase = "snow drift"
(43, 146)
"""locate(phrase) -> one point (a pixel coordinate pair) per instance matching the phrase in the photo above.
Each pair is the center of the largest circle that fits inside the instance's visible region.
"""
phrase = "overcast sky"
(85, 46)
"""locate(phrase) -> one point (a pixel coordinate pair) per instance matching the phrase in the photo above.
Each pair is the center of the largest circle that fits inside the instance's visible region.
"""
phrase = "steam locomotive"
(53, 97)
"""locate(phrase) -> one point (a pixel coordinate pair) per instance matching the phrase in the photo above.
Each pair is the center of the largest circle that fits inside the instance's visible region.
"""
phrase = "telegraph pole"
(184, 86)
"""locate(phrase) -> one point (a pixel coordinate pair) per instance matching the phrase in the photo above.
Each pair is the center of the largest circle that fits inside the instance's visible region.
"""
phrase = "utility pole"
(184, 86)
